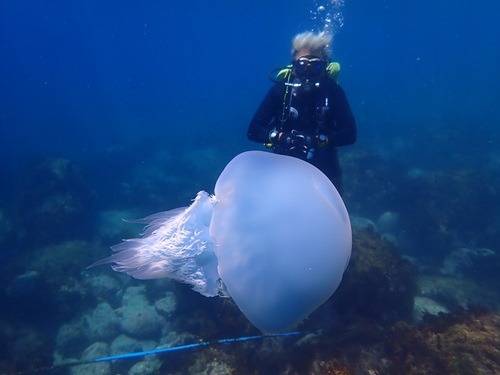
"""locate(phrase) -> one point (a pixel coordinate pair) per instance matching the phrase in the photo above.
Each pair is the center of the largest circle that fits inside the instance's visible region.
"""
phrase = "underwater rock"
(333, 367)
(148, 344)
(442, 205)
(393, 240)
(113, 225)
(173, 338)
(378, 283)
(166, 305)
(388, 222)
(55, 202)
(362, 223)
(125, 344)
(62, 258)
(98, 349)
(149, 366)
(58, 262)
(138, 318)
(465, 261)
(140, 321)
(456, 292)
(135, 295)
(212, 362)
(55, 270)
(459, 343)
(69, 297)
(424, 305)
(466, 343)
(373, 182)
(102, 323)
(104, 287)
(72, 338)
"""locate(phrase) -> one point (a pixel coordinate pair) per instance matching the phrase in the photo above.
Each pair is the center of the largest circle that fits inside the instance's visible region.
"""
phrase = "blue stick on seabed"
(179, 348)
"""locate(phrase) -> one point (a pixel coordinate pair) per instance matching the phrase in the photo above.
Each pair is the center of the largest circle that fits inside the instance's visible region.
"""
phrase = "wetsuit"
(323, 109)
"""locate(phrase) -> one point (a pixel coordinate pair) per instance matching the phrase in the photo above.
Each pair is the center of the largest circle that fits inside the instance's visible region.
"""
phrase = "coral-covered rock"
(66, 259)
(72, 338)
(125, 344)
(173, 338)
(166, 305)
(331, 367)
(457, 292)
(148, 344)
(469, 343)
(388, 222)
(104, 287)
(98, 349)
(373, 182)
(149, 366)
(140, 321)
(138, 317)
(378, 283)
(135, 295)
(426, 306)
(362, 223)
(443, 203)
(212, 362)
(102, 323)
(55, 269)
(479, 264)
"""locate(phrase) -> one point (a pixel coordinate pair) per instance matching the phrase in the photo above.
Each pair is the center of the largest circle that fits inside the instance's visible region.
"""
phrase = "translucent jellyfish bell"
(276, 238)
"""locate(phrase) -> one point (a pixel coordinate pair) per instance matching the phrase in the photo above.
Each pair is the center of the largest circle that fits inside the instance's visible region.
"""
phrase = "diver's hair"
(317, 43)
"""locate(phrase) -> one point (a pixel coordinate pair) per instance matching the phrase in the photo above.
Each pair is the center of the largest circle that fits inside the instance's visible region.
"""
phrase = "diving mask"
(309, 67)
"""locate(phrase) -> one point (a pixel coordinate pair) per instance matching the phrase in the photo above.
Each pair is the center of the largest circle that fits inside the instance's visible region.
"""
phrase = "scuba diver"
(306, 113)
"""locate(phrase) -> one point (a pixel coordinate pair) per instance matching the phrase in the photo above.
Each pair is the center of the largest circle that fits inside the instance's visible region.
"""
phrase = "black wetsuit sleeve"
(266, 116)
(343, 131)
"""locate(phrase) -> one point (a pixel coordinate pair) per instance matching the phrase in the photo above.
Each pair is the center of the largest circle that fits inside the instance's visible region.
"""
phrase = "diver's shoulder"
(277, 88)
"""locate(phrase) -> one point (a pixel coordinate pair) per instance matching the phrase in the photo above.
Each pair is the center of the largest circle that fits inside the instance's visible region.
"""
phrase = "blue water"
(81, 76)
(147, 101)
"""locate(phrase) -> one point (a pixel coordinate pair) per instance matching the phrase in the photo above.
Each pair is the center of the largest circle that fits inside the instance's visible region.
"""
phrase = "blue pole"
(186, 347)
(171, 349)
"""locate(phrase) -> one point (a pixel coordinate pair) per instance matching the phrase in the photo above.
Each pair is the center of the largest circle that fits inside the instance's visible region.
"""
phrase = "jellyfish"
(275, 237)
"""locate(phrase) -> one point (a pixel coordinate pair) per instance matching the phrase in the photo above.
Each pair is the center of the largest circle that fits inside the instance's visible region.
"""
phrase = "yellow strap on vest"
(333, 70)
(284, 73)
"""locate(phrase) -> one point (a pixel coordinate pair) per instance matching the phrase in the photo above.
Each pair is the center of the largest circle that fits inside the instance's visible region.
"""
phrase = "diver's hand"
(276, 137)
(322, 140)
(299, 140)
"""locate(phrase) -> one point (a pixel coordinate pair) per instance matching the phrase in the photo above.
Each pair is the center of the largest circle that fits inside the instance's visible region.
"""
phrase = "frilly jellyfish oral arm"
(176, 245)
